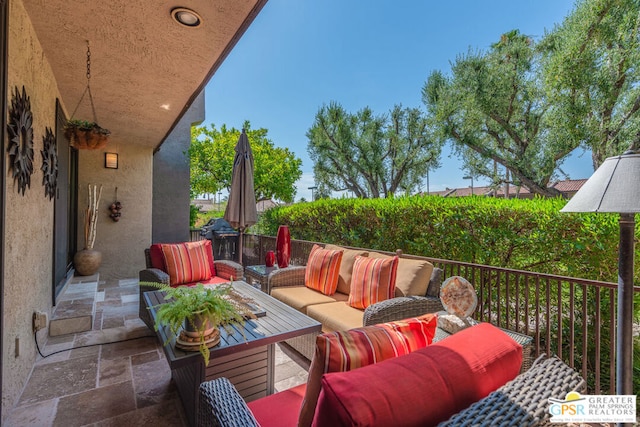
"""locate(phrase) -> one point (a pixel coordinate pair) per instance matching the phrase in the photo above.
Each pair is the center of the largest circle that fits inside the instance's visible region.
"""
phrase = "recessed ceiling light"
(186, 17)
(165, 107)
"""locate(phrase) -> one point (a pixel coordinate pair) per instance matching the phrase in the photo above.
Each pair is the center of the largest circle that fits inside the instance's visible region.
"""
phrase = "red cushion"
(214, 280)
(157, 258)
(280, 409)
(424, 387)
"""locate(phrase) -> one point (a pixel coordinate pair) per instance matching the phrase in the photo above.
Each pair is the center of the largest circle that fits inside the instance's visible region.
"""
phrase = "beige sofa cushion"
(336, 316)
(413, 275)
(346, 267)
(301, 297)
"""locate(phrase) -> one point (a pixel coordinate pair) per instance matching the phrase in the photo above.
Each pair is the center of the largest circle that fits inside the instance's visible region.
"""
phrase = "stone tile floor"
(108, 383)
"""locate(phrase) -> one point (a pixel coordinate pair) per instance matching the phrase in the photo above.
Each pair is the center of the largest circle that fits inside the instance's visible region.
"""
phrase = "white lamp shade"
(614, 187)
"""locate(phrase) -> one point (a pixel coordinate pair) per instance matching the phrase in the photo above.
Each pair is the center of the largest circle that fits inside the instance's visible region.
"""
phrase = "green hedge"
(519, 234)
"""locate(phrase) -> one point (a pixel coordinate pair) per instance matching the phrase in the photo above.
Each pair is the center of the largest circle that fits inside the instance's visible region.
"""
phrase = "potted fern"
(83, 134)
(194, 314)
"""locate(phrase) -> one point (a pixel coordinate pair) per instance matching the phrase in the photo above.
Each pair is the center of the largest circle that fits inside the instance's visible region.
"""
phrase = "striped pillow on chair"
(343, 351)
(187, 262)
(373, 280)
(323, 268)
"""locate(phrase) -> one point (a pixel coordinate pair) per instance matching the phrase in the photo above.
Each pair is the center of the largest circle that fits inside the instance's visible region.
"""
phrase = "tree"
(592, 75)
(493, 110)
(212, 152)
(369, 155)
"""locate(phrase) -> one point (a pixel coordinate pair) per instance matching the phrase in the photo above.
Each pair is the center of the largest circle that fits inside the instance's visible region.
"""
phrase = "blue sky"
(299, 55)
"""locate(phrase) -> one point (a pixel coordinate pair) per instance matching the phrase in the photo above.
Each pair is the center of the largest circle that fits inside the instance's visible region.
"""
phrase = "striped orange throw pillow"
(323, 269)
(343, 351)
(373, 280)
(186, 262)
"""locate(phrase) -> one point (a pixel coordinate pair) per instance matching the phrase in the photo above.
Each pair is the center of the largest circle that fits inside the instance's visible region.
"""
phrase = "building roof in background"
(567, 187)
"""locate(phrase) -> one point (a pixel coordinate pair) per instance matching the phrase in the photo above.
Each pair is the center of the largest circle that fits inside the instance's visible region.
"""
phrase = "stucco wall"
(29, 218)
(171, 180)
(122, 243)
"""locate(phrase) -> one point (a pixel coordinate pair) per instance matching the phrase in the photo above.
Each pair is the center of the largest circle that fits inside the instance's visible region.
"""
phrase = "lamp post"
(219, 201)
(615, 188)
(471, 178)
(313, 196)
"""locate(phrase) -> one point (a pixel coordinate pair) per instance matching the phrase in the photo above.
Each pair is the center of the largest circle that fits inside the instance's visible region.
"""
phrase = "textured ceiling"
(145, 67)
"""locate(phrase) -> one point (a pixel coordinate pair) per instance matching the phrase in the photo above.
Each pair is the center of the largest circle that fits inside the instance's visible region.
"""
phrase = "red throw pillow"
(157, 257)
(373, 280)
(188, 262)
(346, 350)
(422, 388)
(322, 270)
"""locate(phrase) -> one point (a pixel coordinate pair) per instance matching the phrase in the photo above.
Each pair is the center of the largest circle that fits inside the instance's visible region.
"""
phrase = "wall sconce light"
(111, 160)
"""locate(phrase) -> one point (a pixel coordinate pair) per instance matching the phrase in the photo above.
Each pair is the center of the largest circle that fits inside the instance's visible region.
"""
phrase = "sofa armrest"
(400, 308)
(226, 269)
(525, 399)
(153, 275)
(149, 275)
(221, 405)
(290, 276)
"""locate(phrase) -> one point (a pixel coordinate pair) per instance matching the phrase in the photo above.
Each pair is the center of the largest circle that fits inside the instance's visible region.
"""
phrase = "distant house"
(263, 205)
(567, 187)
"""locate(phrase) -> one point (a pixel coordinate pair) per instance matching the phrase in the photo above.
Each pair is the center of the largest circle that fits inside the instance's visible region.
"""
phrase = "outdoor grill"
(224, 239)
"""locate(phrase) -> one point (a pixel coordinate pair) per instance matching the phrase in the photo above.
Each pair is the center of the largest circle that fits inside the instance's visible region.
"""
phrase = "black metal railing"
(567, 316)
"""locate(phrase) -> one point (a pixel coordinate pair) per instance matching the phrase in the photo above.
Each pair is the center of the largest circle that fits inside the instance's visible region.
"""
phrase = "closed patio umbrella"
(241, 207)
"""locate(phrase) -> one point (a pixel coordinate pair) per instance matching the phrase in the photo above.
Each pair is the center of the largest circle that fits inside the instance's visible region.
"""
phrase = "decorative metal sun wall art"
(49, 163)
(20, 147)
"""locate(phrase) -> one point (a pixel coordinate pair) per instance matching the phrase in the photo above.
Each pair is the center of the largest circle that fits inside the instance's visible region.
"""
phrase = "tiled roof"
(569, 186)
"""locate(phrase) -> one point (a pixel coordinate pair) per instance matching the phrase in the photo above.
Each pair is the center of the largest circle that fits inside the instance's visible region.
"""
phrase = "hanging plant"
(20, 147)
(83, 134)
(86, 135)
(49, 164)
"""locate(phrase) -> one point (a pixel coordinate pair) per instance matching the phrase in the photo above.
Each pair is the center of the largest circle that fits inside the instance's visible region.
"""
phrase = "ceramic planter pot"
(270, 259)
(283, 246)
(87, 262)
(192, 328)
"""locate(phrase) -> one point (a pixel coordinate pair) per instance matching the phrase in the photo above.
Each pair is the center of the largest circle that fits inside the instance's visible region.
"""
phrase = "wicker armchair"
(225, 269)
(521, 402)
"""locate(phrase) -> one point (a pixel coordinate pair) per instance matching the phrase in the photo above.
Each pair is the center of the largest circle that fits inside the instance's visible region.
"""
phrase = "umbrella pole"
(240, 246)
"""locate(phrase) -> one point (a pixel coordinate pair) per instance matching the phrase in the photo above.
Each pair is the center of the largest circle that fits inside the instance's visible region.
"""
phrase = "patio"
(121, 384)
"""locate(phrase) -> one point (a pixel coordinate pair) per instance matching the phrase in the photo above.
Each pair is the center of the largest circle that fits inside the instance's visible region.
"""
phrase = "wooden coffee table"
(245, 357)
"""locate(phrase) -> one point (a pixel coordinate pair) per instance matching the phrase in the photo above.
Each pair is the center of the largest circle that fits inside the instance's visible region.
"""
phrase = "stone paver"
(109, 384)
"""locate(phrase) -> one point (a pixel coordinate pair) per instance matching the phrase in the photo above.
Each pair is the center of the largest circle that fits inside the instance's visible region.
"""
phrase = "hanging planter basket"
(82, 134)
(85, 135)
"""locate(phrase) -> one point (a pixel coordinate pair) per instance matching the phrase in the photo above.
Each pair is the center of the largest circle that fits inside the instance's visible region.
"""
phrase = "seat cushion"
(300, 297)
(413, 275)
(346, 266)
(213, 280)
(279, 409)
(323, 268)
(374, 280)
(440, 380)
(336, 316)
(355, 348)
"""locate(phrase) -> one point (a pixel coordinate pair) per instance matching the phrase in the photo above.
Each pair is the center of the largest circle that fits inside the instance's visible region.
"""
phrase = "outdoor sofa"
(469, 378)
(417, 288)
(183, 264)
